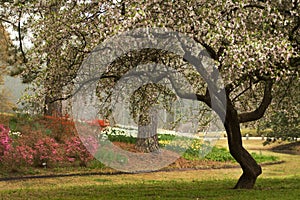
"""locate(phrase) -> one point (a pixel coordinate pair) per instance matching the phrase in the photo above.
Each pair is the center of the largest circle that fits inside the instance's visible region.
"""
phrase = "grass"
(105, 188)
(279, 181)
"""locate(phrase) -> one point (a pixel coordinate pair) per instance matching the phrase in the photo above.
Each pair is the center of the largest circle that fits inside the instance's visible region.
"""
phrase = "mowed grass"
(281, 181)
(283, 188)
(104, 188)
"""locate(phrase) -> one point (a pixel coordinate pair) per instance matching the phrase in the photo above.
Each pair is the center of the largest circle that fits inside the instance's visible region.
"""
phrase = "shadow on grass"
(290, 148)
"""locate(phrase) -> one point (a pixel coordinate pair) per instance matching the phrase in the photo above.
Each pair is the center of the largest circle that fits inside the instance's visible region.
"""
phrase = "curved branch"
(81, 85)
(260, 111)
(20, 38)
(213, 54)
(182, 93)
(7, 21)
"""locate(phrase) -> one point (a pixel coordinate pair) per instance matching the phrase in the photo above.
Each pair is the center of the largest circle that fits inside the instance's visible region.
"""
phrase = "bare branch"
(245, 90)
(209, 49)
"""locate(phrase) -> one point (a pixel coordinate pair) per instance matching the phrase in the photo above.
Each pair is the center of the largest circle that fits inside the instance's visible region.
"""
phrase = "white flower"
(17, 134)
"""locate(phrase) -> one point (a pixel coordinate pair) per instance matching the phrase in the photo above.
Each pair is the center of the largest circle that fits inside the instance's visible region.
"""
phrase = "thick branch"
(260, 111)
(81, 85)
(20, 39)
(190, 95)
(209, 49)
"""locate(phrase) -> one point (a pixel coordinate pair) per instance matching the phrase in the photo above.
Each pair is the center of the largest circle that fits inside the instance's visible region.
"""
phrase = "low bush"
(78, 152)
(41, 149)
(255, 133)
(5, 140)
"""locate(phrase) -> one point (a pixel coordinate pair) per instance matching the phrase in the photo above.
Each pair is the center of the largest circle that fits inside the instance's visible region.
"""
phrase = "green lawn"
(281, 181)
(209, 189)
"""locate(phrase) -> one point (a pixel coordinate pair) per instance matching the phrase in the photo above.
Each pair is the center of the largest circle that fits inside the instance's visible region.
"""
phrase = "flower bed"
(42, 147)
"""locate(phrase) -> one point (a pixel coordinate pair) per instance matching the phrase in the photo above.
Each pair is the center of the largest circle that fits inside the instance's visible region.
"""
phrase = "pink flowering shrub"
(76, 151)
(32, 150)
(11, 154)
(47, 151)
(37, 148)
(5, 140)
(18, 156)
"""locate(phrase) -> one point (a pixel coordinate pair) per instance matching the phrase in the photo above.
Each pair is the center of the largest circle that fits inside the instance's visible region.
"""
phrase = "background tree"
(146, 115)
(255, 45)
(6, 59)
(283, 117)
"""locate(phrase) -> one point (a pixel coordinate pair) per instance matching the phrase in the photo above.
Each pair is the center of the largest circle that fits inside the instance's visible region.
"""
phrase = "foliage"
(197, 150)
(283, 117)
(39, 149)
(115, 135)
(76, 151)
(255, 132)
(222, 155)
(47, 151)
(260, 158)
(38, 142)
(245, 46)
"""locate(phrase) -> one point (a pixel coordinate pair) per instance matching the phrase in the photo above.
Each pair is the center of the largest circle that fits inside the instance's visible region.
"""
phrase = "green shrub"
(219, 154)
(263, 158)
(254, 133)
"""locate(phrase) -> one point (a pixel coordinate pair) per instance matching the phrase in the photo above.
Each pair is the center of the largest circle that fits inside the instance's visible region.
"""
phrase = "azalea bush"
(76, 151)
(4, 140)
(40, 148)
(47, 151)
(18, 157)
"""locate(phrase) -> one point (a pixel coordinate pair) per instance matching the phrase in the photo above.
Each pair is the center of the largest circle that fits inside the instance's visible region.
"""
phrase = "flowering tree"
(254, 43)
(6, 59)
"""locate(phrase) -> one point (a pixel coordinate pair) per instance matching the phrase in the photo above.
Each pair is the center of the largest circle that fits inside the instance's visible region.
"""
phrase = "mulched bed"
(179, 162)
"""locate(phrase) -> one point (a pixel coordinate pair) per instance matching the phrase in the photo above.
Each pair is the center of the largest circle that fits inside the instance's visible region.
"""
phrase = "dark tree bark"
(52, 108)
(251, 170)
(147, 140)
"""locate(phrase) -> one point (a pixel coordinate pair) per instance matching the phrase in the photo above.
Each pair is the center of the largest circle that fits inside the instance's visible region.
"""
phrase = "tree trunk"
(170, 119)
(52, 108)
(147, 140)
(251, 170)
(148, 144)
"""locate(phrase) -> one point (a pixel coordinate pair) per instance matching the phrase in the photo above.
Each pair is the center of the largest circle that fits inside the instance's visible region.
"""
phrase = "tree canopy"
(250, 40)
(254, 43)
